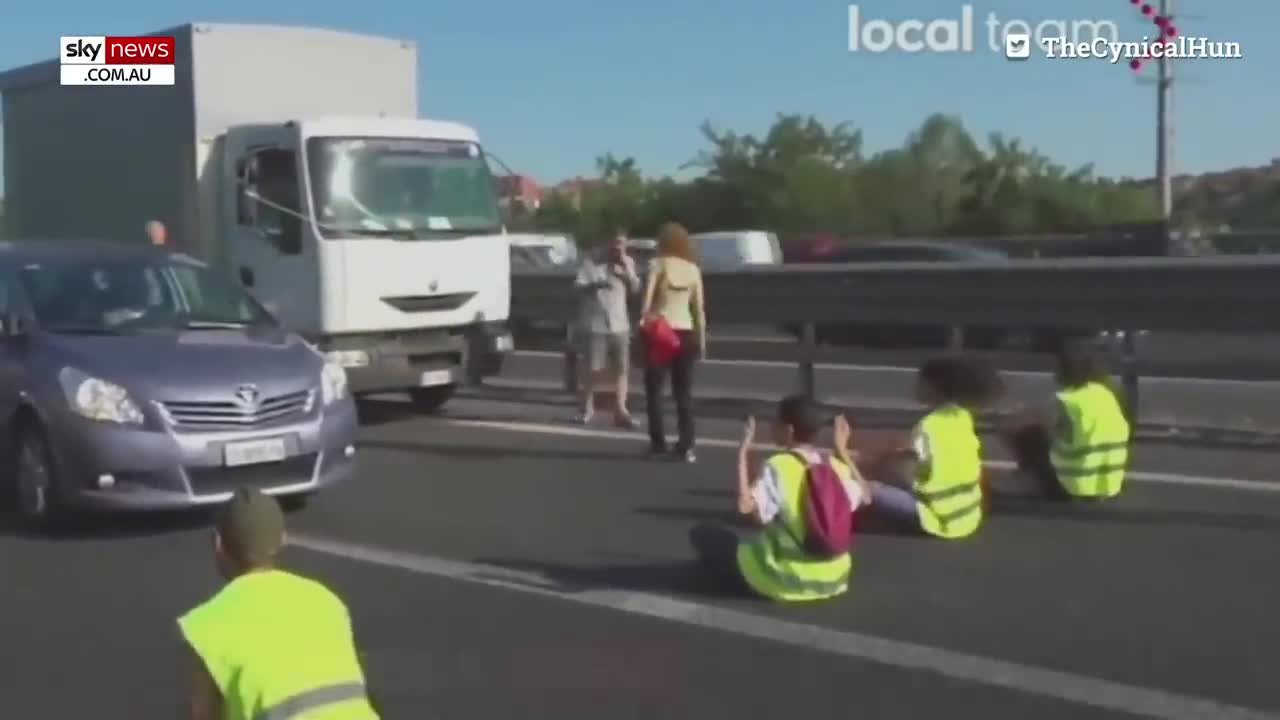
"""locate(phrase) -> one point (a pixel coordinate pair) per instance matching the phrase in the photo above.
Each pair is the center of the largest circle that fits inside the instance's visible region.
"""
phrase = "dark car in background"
(1036, 338)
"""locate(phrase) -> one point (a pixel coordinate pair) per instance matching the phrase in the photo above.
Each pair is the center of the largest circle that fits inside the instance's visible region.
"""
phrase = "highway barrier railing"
(1215, 294)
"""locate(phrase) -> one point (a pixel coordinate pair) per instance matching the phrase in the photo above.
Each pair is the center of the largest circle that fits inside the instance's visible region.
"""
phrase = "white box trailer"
(294, 158)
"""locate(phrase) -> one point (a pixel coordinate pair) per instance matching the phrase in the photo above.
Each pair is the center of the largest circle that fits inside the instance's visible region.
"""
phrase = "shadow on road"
(661, 577)
(110, 526)
(492, 452)
(723, 516)
(1008, 506)
(709, 407)
(377, 411)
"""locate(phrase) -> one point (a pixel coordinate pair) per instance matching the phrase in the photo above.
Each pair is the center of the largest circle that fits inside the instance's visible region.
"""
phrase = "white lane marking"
(898, 369)
(1078, 689)
(1157, 478)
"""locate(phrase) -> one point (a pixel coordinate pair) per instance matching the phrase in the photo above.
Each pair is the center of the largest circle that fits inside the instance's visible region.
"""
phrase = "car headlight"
(98, 399)
(333, 383)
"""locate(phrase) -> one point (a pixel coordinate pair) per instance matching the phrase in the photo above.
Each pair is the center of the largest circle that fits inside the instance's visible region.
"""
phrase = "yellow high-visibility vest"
(774, 563)
(948, 488)
(279, 647)
(1090, 450)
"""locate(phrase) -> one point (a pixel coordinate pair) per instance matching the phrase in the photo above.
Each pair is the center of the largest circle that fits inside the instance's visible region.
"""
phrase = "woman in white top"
(674, 293)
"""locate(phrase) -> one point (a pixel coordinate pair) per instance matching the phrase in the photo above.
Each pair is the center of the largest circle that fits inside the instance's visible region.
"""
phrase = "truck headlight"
(333, 383)
(98, 399)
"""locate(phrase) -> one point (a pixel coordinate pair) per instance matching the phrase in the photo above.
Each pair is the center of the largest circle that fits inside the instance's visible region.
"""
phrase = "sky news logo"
(102, 60)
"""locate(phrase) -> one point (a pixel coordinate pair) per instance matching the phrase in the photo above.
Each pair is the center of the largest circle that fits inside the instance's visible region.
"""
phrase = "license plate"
(254, 452)
(502, 343)
(436, 377)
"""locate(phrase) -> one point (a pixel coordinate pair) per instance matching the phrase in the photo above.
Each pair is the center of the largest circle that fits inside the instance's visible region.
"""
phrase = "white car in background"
(530, 250)
(733, 249)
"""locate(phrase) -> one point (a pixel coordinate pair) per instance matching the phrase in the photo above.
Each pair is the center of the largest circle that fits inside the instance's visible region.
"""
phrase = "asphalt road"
(1162, 354)
(498, 561)
(1163, 401)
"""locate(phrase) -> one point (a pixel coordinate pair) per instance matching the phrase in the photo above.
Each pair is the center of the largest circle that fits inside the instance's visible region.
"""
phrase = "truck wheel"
(432, 399)
(35, 479)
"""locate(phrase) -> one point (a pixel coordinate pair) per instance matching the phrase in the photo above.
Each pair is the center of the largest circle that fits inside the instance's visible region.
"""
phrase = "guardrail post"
(1129, 376)
(808, 348)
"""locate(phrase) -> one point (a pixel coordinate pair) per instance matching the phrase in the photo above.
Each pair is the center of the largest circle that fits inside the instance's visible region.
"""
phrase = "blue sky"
(551, 85)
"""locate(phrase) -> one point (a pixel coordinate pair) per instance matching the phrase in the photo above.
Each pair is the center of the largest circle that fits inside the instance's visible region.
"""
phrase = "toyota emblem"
(433, 285)
(247, 396)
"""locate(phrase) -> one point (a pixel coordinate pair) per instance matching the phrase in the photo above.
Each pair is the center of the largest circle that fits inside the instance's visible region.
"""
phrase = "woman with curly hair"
(674, 296)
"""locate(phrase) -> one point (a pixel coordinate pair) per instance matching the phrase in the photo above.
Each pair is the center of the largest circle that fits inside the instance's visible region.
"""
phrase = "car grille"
(209, 415)
(216, 480)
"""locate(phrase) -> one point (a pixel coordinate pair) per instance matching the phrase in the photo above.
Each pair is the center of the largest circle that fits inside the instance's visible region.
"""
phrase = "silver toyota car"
(136, 378)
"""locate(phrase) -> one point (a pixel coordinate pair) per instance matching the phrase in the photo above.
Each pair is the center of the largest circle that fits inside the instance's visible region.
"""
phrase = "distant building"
(573, 188)
(519, 192)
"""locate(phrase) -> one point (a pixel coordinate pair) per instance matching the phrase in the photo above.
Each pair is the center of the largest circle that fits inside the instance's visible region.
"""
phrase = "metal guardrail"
(1226, 294)
(1218, 294)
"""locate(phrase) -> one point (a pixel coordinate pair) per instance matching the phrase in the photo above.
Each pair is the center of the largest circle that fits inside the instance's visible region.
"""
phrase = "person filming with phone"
(605, 280)
(803, 501)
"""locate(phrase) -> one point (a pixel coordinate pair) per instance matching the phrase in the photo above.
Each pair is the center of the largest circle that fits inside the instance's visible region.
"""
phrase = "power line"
(1164, 124)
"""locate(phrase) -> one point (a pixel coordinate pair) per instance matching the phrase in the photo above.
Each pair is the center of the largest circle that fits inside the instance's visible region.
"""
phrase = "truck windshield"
(75, 296)
(413, 188)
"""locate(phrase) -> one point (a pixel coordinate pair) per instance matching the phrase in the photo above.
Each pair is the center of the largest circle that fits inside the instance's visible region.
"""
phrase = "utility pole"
(1164, 125)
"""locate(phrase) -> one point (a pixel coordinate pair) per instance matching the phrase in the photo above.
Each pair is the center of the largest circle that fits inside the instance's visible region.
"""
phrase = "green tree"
(804, 176)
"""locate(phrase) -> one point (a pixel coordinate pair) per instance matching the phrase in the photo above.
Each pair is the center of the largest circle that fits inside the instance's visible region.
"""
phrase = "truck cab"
(378, 238)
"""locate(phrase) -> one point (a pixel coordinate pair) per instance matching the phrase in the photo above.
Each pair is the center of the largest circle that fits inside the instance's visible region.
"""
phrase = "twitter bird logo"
(1017, 46)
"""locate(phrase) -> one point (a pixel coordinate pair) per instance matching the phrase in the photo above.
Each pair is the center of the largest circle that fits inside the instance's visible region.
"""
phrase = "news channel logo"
(115, 60)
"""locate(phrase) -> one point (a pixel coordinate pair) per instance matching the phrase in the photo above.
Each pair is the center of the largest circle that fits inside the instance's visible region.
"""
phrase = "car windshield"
(126, 296)
(410, 188)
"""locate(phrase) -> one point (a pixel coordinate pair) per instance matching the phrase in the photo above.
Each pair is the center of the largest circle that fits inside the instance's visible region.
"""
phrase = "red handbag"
(661, 342)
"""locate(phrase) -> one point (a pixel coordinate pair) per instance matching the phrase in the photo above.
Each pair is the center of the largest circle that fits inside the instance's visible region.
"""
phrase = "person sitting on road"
(270, 643)
(936, 487)
(779, 562)
(1078, 447)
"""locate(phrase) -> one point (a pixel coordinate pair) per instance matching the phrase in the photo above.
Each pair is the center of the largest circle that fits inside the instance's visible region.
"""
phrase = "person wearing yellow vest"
(270, 645)
(1077, 448)
(935, 487)
(772, 562)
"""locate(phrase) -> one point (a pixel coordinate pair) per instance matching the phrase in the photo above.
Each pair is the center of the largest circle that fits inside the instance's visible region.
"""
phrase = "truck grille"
(428, 303)
(207, 415)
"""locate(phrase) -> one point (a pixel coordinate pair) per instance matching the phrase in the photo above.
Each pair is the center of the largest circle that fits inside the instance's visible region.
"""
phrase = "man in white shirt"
(605, 280)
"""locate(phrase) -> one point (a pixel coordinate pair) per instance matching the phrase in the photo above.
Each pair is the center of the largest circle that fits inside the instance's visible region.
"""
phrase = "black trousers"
(681, 371)
(1030, 448)
(716, 548)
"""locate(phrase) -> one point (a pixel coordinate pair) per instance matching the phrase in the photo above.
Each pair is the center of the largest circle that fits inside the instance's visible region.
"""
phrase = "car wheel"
(35, 479)
(432, 399)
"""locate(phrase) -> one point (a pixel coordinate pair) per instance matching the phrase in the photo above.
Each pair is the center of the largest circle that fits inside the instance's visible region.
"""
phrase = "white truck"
(295, 159)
